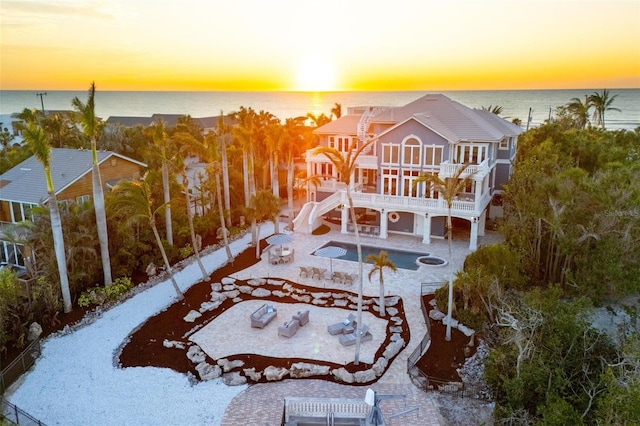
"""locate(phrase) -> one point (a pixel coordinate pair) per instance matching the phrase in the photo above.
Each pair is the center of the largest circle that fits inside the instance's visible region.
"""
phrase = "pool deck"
(261, 404)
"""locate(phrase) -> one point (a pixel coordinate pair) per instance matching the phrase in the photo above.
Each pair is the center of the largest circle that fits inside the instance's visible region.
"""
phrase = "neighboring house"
(24, 186)
(207, 124)
(432, 134)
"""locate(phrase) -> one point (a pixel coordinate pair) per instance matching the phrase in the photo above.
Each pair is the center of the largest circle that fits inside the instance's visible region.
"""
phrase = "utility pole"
(41, 94)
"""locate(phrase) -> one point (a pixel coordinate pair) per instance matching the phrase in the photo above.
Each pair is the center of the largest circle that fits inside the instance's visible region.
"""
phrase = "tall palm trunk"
(450, 294)
(194, 243)
(167, 200)
(354, 219)
(222, 224)
(225, 183)
(58, 244)
(165, 259)
(290, 194)
(101, 217)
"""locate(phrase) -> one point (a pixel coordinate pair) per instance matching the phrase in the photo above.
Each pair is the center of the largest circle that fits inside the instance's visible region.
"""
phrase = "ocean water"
(515, 103)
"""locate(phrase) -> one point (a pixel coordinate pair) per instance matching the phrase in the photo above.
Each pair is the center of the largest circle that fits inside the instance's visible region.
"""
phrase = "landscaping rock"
(395, 337)
(393, 349)
(275, 282)
(380, 366)
(319, 301)
(228, 280)
(272, 373)
(234, 379)
(279, 293)
(256, 282)
(229, 287)
(466, 330)
(397, 320)
(391, 301)
(395, 329)
(252, 374)
(304, 298)
(447, 320)
(364, 376)
(196, 355)
(207, 371)
(342, 375)
(216, 286)
(218, 297)
(35, 330)
(173, 344)
(261, 292)
(227, 365)
(304, 369)
(392, 311)
(192, 316)
(208, 306)
(436, 315)
(340, 302)
(245, 289)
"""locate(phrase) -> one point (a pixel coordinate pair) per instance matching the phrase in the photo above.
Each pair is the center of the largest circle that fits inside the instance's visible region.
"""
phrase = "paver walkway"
(262, 404)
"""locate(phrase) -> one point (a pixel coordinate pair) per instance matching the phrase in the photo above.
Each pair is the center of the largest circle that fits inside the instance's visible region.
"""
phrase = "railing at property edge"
(429, 383)
(20, 365)
(12, 414)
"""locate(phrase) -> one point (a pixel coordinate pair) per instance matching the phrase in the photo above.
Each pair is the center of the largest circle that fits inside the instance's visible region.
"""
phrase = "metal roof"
(26, 182)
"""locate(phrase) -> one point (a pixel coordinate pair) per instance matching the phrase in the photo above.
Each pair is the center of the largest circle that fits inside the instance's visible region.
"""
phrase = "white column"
(344, 218)
(477, 194)
(384, 224)
(426, 235)
(473, 239)
(482, 223)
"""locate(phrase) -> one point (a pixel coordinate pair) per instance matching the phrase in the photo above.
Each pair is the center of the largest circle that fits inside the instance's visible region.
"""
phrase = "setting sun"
(315, 74)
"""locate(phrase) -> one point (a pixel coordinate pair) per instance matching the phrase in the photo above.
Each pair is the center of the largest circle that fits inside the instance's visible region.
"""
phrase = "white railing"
(476, 171)
(322, 407)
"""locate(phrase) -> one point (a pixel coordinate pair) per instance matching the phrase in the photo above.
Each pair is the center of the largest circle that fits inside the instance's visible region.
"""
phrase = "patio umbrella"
(280, 239)
(330, 252)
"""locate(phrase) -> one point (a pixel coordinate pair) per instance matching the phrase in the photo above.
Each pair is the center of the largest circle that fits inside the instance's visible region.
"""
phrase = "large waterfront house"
(433, 134)
(24, 186)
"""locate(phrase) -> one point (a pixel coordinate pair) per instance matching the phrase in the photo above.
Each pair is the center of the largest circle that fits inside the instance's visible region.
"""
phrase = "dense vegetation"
(572, 243)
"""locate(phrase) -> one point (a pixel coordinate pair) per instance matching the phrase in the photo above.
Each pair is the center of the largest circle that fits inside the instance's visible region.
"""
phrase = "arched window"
(411, 152)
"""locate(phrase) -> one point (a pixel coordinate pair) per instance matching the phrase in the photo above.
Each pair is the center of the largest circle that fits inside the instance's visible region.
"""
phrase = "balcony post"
(426, 235)
(384, 223)
(473, 239)
(344, 218)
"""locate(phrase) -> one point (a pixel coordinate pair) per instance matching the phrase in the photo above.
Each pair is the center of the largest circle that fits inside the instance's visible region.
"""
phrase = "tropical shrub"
(101, 295)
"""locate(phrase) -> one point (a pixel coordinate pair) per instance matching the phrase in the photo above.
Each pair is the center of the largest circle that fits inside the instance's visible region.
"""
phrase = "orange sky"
(311, 45)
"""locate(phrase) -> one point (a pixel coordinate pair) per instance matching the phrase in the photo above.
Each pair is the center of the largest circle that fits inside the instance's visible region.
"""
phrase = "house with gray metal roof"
(431, 135)
(24, 186)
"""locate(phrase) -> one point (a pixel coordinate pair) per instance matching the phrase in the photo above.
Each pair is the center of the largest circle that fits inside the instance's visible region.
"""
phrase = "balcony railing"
(476, 171)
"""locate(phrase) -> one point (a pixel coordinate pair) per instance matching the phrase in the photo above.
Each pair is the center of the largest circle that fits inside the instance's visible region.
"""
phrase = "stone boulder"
(380, 366)
(216, 287)
(231, 294)
(207, 371)
(393, 349)
(272, 373)
(245, 289)
(227, 365)
(173, 344)
(261, 292)
(448, 320)
(35, 330)
(436, 315)
(364, 376)
(228, 280)
(192, 316)
(466, 330)
(195, 354)
(304, 369)
(234, 379)
(342, 375)
(208, 306)
(252, 374)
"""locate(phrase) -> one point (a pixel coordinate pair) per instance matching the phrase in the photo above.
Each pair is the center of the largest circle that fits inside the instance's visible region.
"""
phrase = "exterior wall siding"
(109, 172)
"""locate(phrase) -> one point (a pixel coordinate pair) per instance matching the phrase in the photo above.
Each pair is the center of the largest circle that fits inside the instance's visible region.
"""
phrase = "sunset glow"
(319, 46)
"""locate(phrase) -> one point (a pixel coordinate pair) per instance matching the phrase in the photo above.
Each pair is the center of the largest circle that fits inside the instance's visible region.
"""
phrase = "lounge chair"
(318, 273)
(338, 328)
(350, 339)
(305, 272)
(348, 278)
(337, 277)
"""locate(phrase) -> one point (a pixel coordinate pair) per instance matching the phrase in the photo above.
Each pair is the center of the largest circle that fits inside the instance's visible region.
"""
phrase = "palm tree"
(223, 132)
(319, 120)
(337, 110)
(245, 133)
(215, 169)
(192, 232)
(91, 127)
(38, 143)
(379, 263)
(264, 206)
(579, 111)
(293, 144)
(132, 201)
(448, 189)
(493, 109)
(345, 164)
(601, 103)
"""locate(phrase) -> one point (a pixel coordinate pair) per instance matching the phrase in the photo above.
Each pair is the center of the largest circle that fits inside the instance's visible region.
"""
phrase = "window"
(82, 199)
(411, 152)
(389, 182)
(504, 143)
(432, 155)
(390, 154)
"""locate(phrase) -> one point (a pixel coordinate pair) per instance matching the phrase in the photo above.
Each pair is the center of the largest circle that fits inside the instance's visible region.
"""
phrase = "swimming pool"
(401, 258)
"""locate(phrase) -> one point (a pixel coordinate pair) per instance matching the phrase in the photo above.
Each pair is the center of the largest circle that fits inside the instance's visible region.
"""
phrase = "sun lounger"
(305, 272)
(348, 278)
(337, 277)
(318, 273)
(339, 327)
(350, 339)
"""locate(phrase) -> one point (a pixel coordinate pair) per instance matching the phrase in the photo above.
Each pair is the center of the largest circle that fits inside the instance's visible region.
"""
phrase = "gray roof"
(450, 119)
(26, 182)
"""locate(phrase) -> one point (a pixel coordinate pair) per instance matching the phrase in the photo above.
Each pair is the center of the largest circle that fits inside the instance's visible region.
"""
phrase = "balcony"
(475, 171)
(363, 161)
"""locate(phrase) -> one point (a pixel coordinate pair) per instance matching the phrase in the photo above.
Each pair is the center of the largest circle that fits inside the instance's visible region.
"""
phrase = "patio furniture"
(305, 272)
(263, 316)
(348, 278)
(350, 339)
(318, 272)
(289, 328)
(302, 317)
(337, 277)
(338, 328)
